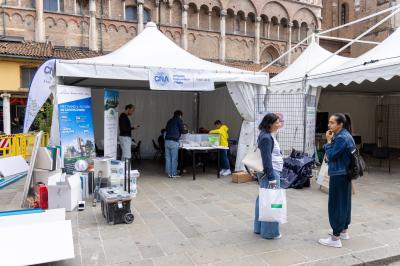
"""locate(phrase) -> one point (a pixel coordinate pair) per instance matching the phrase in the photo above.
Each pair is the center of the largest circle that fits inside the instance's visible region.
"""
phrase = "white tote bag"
(272, 205)
(323, 176)
(253, 160)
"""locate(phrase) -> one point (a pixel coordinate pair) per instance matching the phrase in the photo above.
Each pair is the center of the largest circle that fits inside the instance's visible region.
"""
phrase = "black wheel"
(128, 218)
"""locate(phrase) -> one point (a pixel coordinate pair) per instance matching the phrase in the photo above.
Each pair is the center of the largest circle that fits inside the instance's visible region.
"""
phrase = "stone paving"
(209, 222)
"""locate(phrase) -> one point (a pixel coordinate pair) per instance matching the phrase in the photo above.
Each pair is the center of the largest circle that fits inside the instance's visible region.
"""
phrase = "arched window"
(131, 13)
(344, 14)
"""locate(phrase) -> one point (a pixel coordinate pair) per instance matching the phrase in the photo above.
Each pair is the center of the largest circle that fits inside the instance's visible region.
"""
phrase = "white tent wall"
(153, 109)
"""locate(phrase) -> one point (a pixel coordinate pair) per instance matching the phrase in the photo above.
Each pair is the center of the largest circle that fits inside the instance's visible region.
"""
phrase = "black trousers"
(339, 203)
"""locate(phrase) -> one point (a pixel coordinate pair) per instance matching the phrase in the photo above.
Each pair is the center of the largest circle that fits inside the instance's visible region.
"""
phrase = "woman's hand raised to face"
(329, 136)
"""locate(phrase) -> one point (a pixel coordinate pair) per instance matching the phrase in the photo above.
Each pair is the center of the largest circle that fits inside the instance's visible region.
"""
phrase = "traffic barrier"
(20, 144)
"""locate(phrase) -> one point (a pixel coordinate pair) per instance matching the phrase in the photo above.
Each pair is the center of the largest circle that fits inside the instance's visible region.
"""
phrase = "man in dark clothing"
(125, 131)
(174, 130)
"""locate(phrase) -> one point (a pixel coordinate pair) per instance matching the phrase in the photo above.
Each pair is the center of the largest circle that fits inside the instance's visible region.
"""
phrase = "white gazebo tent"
(287, 94)
(132, 67)
(363, 83)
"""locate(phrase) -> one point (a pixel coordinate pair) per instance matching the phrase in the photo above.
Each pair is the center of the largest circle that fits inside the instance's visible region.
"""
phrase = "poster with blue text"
(111, 100)
(76, 125)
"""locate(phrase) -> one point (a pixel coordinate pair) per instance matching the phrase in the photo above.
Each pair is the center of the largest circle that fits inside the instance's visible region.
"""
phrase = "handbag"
(272, 205)
(253, 160)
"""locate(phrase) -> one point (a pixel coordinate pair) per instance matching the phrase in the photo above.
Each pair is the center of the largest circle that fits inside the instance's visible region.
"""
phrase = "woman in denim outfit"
(272, 164)
(338, 154)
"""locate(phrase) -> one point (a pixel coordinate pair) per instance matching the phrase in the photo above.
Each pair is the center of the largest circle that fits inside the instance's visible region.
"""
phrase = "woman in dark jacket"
(338, 149)
(271, 176)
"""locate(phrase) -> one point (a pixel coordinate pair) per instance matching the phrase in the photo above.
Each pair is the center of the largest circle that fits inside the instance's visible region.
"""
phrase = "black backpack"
(357, 165)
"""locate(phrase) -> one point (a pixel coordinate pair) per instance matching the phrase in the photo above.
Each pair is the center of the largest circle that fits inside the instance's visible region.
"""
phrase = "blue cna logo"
(161, 78)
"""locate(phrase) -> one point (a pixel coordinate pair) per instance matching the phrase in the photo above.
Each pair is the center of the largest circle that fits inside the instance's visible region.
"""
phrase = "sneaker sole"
(326, 245)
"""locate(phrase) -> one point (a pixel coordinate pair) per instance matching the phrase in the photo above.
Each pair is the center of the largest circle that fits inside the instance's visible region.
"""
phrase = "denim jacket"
(266, 146)
(338, 153)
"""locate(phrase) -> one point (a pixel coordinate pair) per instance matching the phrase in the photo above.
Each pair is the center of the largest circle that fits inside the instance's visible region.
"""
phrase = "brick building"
(236, 30)
(339, 12)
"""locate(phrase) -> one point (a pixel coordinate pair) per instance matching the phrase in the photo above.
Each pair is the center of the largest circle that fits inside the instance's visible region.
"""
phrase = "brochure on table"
(76, 125)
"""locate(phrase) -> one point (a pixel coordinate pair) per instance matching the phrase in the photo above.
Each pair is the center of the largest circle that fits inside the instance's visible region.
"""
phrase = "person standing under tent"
(338, 150)
(174, 130)
(125, 131)
(222, 130)
(273, 164)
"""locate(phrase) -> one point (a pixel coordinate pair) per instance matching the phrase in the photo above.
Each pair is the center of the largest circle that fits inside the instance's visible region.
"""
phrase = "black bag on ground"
(297, 170)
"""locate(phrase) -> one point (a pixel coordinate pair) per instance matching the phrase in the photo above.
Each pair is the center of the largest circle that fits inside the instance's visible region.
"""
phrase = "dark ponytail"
(348, 123)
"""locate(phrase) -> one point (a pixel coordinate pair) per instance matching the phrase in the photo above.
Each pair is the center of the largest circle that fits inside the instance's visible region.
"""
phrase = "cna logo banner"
(178, 80)
(162, 78)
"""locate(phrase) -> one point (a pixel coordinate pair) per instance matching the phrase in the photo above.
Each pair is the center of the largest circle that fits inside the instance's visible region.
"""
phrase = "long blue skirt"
(268, 230)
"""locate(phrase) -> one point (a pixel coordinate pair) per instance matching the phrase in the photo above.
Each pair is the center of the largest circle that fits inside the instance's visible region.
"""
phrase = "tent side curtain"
(243, 95)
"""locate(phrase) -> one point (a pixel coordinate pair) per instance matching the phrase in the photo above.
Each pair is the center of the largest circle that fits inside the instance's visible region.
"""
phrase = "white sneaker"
(329, 242)
(343, 236)
(226, 172)
(221, 172)
(278, 237)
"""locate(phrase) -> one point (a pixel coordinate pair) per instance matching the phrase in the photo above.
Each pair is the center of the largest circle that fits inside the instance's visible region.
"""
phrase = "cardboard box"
(241, 177)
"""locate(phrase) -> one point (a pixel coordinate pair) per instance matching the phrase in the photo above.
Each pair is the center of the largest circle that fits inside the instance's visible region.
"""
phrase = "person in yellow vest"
(222, 130)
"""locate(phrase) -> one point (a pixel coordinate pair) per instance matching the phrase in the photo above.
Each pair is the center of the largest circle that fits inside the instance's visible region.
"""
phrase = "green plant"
(43, 119)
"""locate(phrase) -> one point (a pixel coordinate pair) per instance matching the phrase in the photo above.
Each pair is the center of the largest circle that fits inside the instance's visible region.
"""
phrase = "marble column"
(93, 42)
(278, 31)
(245, 26)
(39, 22)
(124, 10)
(158, 12)
(289, 45)
(185, 27)
(222, 41)
(209, 20)
(140, 4)
(257, 40)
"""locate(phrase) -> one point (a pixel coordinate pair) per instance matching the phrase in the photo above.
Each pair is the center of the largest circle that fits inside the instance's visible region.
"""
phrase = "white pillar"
(198, 19)
(58, 6)
(257, 41)
(75, 8)
(308, 40)
(268, 29)
(124, 10)
(109, 8)
(39, 23)
(290, 42)
(6, 113)
(93, 42)
(279, 29)
(223, 36)
(209, 20)
(184, 27)
(170, 15)
(158, 12)
(140, 15)
(245, 26)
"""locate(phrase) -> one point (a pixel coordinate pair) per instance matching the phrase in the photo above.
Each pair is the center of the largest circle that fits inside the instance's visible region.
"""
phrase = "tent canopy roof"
(291, 78)
(128, 66)
(379, 64)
